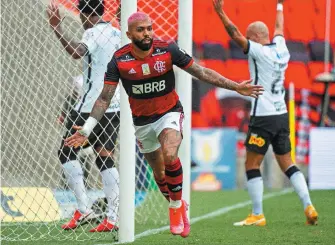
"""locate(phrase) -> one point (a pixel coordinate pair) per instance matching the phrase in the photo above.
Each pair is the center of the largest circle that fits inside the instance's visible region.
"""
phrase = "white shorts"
(147, 135)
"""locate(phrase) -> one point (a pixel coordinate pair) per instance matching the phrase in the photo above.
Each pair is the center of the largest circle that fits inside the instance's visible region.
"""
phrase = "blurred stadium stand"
(212, 47)
(305, 36)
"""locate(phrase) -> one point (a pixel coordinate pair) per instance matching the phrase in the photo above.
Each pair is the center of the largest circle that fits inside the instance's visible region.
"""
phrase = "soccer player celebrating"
(269, 120)
(100, 41)
(145, 68)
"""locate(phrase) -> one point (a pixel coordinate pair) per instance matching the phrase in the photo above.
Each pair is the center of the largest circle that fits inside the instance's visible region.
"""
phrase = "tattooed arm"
(231, 29)
(102, 103)
(212, 77)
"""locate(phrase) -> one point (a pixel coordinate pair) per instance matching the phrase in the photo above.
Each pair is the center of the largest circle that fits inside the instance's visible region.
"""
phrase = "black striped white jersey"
(101, 41)
(78, 82)
(267, 66)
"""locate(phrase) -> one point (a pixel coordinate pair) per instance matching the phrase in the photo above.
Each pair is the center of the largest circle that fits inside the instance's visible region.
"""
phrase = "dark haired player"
(145, 68)
(268, 62)
(100, 41)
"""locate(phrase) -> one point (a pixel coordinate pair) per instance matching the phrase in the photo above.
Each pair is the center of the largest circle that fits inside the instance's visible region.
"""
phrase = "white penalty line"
(213, 214)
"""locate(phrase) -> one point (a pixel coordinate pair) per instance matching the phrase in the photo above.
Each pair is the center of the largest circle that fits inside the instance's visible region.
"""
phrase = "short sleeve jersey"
(78, 84)
(267, 66)
(101, 41)
(149, 82)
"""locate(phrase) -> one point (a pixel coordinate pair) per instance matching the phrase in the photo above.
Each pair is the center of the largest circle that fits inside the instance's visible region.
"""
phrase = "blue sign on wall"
(214, 153)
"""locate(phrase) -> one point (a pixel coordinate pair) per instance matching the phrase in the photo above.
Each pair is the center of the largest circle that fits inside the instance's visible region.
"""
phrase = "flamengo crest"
(160, 66)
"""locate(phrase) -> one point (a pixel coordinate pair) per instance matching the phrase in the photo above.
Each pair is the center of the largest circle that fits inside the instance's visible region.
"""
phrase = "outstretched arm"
(231, 29)
(212, 77)
(75, 49)
(279, 28)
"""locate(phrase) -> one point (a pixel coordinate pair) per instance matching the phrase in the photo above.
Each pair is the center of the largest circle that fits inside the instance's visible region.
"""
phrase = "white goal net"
(36, 78)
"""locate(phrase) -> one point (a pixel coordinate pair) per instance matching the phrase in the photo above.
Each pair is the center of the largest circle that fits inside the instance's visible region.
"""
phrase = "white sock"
(300, 186)
(75, 178)
(255, 189)
(110, 180)
(175, 204)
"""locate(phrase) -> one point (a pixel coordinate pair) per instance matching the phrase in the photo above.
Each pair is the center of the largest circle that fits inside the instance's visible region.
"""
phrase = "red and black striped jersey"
(149, 82)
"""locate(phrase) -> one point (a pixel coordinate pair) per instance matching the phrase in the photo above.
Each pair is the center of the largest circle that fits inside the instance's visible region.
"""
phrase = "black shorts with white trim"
(266, 130)
(104, 134)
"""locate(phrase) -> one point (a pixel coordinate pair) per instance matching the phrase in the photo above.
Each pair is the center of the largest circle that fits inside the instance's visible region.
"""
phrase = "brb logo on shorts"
(255, 140)
(147, 88)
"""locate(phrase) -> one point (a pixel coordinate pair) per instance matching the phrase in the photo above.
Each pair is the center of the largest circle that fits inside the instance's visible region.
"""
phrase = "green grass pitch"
(284, 214)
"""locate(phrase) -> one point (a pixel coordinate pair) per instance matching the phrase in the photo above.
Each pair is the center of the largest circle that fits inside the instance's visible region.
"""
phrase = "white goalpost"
(127, 160)
(184, 89)
(36, 78)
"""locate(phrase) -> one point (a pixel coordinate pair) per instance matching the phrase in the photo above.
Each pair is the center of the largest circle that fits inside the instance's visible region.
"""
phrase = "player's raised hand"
(218, 4)
(53, 14)
(247, 89)
(76, 139)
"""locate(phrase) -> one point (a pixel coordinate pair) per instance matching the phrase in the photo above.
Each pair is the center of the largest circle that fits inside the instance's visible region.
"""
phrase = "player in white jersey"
(86, 155)
(76, 84)
(269, 121)
(100, 41)
(69, 103)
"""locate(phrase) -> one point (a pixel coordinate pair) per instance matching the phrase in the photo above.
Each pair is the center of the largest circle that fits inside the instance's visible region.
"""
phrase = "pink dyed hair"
(138, 16)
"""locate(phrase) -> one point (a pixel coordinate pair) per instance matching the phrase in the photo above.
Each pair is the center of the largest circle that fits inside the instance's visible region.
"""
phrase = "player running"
(145, 68)
(268, 62)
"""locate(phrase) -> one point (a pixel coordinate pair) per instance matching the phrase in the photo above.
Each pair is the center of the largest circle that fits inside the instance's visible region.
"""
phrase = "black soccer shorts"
(266, 130)
(104, 134)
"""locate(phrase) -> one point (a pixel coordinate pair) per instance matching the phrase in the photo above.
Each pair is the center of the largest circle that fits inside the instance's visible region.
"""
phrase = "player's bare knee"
(170, 155)
(104, 152)
(249, 166)
(155, 159)
(170, 139)
(253, 161)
